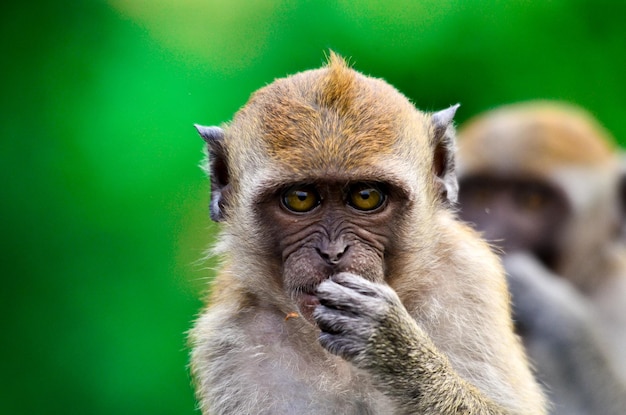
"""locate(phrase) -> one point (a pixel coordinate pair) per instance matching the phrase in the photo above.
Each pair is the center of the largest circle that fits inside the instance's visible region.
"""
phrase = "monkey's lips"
(306, 303)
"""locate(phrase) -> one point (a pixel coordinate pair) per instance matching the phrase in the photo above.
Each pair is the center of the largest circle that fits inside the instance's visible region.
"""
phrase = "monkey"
(622, 195)
(541, 181)
(347, 285)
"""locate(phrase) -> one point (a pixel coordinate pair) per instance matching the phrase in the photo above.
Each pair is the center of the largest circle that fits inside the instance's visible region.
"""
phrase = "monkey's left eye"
(532, 197)
(531, 201)
(301, 199)
(366, 197)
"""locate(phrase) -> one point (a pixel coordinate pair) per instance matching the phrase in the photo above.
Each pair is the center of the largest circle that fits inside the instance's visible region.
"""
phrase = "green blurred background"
(104, 211)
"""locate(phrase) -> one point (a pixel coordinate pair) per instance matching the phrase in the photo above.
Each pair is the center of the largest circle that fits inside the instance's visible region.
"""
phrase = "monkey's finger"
(356, 283)
(348, 301)
(340, 346)
(340, 321)
(365, 287)
(332, 294)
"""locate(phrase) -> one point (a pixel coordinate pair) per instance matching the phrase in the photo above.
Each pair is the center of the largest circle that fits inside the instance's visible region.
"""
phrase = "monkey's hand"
(367, 324)
(358, 318)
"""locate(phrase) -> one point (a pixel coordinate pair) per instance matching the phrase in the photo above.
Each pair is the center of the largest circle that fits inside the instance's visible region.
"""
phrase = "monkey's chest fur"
(264, 360)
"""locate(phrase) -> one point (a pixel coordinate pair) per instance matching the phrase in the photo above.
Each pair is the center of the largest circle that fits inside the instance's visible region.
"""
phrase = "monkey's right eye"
(482, 194)
(300, 199)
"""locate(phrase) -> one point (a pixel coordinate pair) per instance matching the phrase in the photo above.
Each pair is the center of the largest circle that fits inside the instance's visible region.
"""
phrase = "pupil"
(365, 194)
(301, 196)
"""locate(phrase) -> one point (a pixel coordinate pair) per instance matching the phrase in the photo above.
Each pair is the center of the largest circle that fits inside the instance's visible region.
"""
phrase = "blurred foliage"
(104, 219)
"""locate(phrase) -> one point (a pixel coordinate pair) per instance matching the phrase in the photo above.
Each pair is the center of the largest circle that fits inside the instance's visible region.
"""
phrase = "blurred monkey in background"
(622, 195)
(544, 184)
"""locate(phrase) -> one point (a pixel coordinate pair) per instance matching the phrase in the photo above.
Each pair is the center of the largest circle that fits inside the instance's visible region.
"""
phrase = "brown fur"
(541, 135)
(334, 126)
(326, 119)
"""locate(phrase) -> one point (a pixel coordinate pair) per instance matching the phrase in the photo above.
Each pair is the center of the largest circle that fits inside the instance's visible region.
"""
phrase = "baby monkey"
(347, 285)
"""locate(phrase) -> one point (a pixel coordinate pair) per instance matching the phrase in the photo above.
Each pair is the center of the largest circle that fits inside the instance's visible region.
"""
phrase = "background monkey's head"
(327, 171)
(542, 177)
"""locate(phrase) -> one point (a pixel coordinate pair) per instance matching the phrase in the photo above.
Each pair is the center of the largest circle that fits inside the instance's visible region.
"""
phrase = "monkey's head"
(541, 177)
(327, 171)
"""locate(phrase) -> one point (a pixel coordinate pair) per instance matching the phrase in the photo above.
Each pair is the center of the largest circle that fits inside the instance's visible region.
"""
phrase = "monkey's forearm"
(427, 382)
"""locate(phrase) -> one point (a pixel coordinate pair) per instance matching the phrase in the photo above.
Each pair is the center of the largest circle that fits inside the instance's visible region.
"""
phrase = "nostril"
(333, 252)
(322, 254)
(342, 252)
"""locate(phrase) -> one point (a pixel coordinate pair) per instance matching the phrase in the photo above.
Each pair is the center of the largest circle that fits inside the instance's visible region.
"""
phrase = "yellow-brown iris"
(301, 199)
(366, 197)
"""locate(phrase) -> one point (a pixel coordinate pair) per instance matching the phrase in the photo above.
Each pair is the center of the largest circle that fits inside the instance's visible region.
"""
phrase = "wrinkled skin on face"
(343, 227)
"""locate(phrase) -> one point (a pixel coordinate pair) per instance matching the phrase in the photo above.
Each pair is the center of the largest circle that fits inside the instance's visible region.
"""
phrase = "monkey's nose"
(332, 252)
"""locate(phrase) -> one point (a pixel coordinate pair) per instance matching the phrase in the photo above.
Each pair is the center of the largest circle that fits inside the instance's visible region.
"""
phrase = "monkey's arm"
(558, 326)
(366, 324)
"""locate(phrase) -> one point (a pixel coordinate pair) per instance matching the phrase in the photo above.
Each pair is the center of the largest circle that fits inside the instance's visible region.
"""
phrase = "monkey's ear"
(218, 169)
(444, 155)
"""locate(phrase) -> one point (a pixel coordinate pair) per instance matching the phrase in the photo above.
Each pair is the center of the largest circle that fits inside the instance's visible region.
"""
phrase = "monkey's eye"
(531, 201)
(483, 195)
(300, 199)
(366, 197)
(532, 197)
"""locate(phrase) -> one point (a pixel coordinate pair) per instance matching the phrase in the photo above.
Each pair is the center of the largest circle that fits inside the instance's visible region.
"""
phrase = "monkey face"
(516, 214)
(324, 172)
(319, 229)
